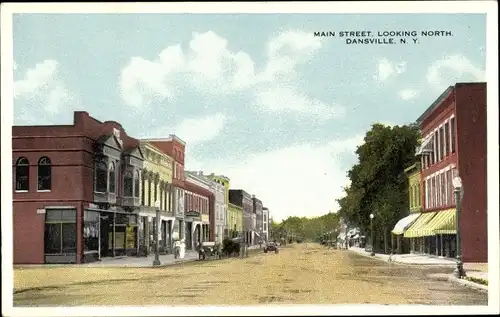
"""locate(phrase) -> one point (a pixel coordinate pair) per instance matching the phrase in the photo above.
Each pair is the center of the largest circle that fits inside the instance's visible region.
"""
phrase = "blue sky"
(256, 97)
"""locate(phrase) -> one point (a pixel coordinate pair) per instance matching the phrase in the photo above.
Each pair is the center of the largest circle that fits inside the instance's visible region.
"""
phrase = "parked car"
(271, 247)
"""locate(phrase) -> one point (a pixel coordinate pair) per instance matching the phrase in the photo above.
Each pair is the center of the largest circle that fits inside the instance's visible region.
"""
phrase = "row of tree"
(303, 228)
(378, 184)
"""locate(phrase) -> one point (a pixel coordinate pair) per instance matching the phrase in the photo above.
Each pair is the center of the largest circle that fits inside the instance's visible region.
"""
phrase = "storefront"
(109, 233)
(60, 238)
(193, 229)
(400, 245)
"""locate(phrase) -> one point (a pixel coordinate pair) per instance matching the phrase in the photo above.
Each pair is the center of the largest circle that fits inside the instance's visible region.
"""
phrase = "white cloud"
(280, 177)
(408, 94)
(281, 99)
(44, 90)
(452, 69)
(387, 69)
(212, 68)
(200, 129)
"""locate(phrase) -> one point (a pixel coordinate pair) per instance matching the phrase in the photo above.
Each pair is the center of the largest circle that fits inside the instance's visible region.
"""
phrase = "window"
(443, 190)
(91, 230)
(44, 173)
(128, 184)
(436, 148)
(60, 231)
(143, 193)
(449, 190)
(149, 191)
(441, 143)
(439, 187)
(137, 184)
(161, 197)
(433, 192)
(446, 139)
(452, 135)
(101, 177)
(156, 189)
(112, 178)
(22, 174)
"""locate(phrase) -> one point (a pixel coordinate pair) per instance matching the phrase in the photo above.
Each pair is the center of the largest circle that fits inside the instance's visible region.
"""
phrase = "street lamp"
(372, 235)
(156, 261)
(458, 191)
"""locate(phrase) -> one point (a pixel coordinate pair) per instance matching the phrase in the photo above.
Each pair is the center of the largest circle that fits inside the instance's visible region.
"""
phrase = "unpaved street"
(299, 274)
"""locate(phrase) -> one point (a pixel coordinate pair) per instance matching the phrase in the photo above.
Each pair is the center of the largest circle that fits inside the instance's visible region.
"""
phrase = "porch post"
(114, 235)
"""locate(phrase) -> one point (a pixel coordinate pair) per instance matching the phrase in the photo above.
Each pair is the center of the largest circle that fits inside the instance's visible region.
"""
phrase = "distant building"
(199, 204)
(239, 197)
(265, 224)
(257, 224)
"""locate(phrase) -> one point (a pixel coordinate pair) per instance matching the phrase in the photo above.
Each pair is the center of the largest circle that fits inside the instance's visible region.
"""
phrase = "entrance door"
(104, 241)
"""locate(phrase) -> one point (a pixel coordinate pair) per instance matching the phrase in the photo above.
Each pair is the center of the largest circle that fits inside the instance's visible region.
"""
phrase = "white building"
(220, 213)
(265, 224)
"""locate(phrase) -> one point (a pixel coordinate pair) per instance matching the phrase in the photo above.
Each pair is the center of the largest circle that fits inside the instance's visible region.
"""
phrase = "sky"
(257, 98)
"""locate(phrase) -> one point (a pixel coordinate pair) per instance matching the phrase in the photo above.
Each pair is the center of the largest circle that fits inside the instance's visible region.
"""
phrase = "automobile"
(271, 246)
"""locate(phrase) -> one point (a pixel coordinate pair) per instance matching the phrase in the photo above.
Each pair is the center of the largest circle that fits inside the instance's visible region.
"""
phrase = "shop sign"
(40, 211)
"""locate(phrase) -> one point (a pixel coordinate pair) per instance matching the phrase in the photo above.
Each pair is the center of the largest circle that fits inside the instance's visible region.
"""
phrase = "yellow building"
(414, 197)
(235, 219)
(156, 186)
(224, 181)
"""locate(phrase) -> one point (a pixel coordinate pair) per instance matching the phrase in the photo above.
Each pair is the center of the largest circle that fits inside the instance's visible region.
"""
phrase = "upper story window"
(44, 173)
(128, 183)
(112, 178)
(22, 174)
(452, 134)
(101, 177)
(137, 184)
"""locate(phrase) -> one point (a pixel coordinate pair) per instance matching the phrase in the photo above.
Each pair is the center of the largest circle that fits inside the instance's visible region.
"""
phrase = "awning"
(341, 236)
(444, 222)
(415, 229)
(426, 147)
(355, 236)
(404, 223)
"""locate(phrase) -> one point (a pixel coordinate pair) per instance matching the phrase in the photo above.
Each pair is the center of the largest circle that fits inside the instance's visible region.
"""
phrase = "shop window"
(22, 174)
(128, 184)
(101, 177)
(137, 188)
(60, 231)
(446, 138)
(44, 173)
(112, 178)
(91, 230)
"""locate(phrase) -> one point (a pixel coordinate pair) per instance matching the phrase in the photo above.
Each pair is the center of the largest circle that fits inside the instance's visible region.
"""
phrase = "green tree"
(378, 183)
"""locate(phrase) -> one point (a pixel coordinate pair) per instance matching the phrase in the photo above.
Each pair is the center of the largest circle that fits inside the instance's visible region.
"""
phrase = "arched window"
(44, 173)
(22, 174)
(101, 177)
(112, 178)
(128, 183)
(137, 180)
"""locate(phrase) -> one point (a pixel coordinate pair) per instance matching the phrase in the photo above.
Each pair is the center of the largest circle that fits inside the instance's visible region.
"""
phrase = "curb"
(456, 280)
(402, 263)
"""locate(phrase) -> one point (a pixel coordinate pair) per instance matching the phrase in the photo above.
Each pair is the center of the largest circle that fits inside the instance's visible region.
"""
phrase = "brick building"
(199, 201)
(454, 144)
(239, 197)
(76, 191)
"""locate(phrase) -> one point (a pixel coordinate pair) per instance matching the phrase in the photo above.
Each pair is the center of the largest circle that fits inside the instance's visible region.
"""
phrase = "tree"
(378, 183)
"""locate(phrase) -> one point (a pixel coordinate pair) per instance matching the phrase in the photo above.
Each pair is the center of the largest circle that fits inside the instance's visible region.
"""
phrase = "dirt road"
(299, 274)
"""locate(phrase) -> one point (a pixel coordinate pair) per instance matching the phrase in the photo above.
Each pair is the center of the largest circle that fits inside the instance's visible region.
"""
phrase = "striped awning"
(426, 147)
(404, 223)
(446, 224)
(416, 228)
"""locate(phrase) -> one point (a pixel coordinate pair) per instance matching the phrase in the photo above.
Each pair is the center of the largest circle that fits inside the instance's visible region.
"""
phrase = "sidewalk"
(472, 270)
(129, 261)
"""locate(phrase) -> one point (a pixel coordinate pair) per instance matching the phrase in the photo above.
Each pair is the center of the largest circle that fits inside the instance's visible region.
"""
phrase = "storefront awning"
(426, 147)
(404, 223)
(416, 228)
(443, 223)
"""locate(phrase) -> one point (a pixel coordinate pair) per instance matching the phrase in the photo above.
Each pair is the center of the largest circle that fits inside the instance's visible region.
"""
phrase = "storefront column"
(114, 235)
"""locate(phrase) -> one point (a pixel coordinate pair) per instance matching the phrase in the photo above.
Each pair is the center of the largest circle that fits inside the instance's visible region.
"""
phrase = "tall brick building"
(76, 191)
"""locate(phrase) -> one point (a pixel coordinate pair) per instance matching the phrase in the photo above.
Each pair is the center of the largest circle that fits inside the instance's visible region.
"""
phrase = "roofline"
(149, 144)
(435, 104)
(171, 137)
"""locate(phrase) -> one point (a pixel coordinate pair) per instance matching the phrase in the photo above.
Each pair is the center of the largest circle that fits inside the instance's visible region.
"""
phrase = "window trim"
(49, 164)
(18, 164)
(95, 176)
(112, 168)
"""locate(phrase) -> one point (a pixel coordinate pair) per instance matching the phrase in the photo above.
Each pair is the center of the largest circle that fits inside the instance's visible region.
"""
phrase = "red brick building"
(76, 191)
(454, 143)
(198, 202)
(174, 147)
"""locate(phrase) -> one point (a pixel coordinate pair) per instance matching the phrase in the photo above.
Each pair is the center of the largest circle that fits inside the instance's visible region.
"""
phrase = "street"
(299, 274)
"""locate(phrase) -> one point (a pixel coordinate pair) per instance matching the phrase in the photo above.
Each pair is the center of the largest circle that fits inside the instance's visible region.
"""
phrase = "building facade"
(223, 181)
(175, 148)
(76, 191)
(235, 220)
(454, 144)
(240, 197)
(200, 201)
(265, 224)
(156, 186)
(258, 226)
